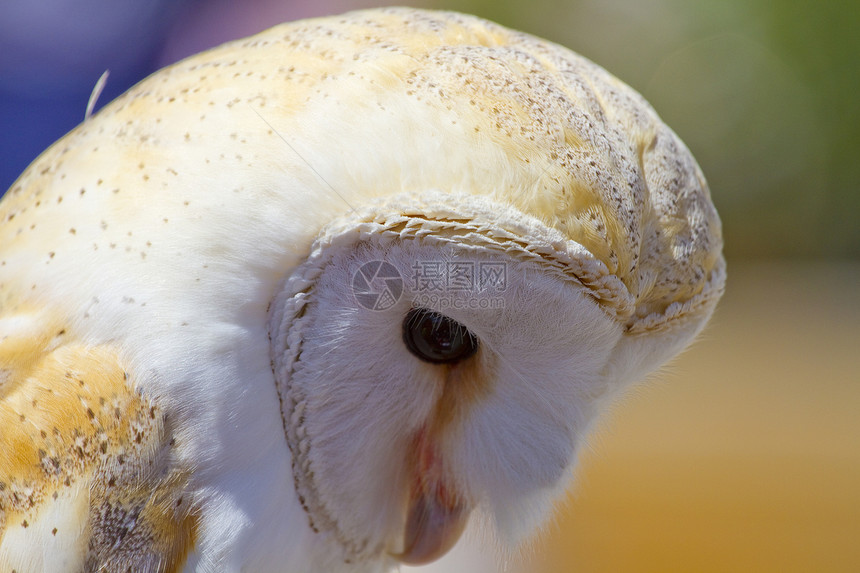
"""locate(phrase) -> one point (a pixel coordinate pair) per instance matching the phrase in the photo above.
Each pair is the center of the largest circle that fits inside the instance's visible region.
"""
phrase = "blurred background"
(744, 455)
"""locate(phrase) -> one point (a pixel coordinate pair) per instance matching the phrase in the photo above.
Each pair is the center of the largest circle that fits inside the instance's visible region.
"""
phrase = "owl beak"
(436, 513)
(434, 522)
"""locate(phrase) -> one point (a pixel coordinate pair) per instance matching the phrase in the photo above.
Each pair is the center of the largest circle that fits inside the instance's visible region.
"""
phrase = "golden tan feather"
(86, 473)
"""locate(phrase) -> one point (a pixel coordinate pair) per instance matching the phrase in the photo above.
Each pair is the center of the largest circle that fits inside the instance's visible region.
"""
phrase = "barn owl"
(312, 300)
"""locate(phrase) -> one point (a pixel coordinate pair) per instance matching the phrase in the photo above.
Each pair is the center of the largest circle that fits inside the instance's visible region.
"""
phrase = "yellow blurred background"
(744, 456)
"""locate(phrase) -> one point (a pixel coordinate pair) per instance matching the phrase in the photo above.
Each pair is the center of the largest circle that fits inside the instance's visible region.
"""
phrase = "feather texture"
(87, 478)
(189, 379)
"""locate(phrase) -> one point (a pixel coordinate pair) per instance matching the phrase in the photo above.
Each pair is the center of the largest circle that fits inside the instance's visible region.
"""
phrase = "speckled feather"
(140, 254)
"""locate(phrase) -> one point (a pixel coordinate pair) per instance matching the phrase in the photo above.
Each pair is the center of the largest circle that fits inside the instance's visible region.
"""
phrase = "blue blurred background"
(747, 456)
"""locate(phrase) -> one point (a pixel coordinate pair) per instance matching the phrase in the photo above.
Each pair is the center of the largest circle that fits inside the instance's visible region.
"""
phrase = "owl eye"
(436, 338)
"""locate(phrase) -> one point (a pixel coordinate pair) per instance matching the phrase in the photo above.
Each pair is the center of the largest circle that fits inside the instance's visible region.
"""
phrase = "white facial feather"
(178, 293)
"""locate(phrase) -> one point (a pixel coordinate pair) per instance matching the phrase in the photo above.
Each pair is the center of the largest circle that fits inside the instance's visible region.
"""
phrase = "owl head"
(530, 239)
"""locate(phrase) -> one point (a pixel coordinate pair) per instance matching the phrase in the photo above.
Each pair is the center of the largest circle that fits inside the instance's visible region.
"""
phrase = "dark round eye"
(436, 338)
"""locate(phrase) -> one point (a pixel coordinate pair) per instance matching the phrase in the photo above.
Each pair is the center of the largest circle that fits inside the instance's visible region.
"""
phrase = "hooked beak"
(436, 515)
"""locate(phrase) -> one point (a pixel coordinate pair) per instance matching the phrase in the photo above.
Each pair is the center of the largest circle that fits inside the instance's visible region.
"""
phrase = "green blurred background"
(745, 454)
